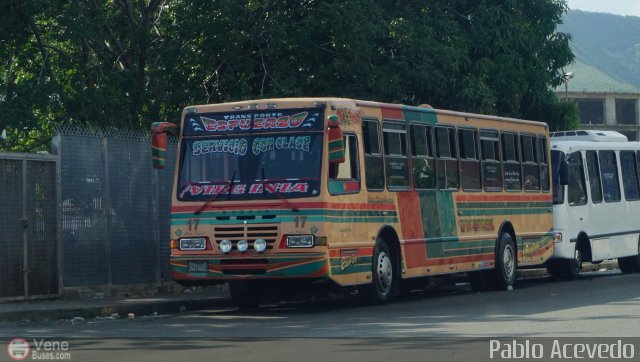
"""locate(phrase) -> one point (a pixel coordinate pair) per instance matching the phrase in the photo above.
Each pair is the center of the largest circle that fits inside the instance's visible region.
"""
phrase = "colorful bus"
(596, 201)
(362, 195)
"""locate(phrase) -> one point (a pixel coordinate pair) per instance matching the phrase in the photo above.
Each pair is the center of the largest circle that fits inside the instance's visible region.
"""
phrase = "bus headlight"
(260, 245)
(225, 246)
(300, 241)
(243, 245)
(192, 244)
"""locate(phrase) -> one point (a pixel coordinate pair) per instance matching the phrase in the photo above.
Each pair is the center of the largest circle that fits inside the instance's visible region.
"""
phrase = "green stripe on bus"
(490, 205)
(494, 212)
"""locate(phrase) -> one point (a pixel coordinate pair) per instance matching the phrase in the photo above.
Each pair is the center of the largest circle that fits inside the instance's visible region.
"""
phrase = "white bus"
(596, 201)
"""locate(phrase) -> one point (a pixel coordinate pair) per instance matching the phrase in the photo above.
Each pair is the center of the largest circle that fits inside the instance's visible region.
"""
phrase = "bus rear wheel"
(246, 294)
(630, 264)
(506, 262)
(504, 275)
(566, 269)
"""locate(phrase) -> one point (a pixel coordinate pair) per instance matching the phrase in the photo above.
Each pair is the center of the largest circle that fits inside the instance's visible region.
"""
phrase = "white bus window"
(595, 185)
(628, 166)
(577, 191)
(609, 175)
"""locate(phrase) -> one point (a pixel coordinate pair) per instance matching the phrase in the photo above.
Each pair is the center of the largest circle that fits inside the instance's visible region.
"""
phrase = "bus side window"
(373, 164)
(577, 191)
(396, 162)
(544, 163)
(609, 176)
(469, 160)
(447, 161)
(628, 165)
(595, 185)
(512, 166)
(348, 170)
(423, 163)
(491, 167)
(530, 168)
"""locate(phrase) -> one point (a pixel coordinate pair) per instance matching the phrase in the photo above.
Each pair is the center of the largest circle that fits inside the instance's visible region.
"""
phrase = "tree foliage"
(125, 63)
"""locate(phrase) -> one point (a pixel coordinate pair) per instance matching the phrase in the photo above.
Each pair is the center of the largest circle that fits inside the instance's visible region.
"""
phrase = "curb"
(122, 308)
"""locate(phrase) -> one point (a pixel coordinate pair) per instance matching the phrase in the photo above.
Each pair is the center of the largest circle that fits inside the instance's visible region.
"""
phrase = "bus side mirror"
(564, 172)
(159, 132)
(336, 141)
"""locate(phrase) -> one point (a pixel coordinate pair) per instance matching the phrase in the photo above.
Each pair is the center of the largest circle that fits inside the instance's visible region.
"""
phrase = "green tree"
(126, 63)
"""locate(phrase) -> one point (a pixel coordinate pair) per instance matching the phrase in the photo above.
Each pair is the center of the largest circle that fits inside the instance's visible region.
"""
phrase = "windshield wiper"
(229, 184)
(276, 192)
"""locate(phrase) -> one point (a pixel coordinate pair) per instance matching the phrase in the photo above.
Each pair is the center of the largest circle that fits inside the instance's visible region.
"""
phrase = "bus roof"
(572, 146)
(589, 135)
(270, 104)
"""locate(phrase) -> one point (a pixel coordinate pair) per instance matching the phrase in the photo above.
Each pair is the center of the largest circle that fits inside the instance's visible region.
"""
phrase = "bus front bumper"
(220, 268)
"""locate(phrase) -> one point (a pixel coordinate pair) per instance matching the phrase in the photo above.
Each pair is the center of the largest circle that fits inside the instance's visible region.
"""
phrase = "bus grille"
(246, 232)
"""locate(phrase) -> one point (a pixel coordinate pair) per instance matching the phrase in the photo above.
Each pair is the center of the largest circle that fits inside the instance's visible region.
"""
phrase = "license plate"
(198, 267)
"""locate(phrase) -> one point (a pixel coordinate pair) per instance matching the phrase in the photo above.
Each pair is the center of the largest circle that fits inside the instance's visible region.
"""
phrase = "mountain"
(607, 49)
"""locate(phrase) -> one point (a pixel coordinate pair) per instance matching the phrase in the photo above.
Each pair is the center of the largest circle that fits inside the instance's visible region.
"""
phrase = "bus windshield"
(250, 167)
(558, 190)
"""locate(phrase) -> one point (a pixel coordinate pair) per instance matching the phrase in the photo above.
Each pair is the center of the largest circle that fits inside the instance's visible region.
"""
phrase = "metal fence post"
(25, 229)
(107, 208)
(56, 141)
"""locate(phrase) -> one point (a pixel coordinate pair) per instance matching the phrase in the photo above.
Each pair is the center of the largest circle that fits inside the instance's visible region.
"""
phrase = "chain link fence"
(103, 221)
(115, 208)
(29, 262)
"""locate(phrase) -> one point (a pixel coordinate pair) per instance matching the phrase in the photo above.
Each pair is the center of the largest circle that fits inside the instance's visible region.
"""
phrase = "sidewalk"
(169, 303)
(89, 308)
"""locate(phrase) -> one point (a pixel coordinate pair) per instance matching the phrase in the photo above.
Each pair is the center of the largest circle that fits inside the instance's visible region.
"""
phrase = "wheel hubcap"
(384, 272)
(508, 261)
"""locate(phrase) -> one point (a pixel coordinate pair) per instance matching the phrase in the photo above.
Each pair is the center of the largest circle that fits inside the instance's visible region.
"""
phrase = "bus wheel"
(572, 266)
(554, 268)
(506, 262)
(479, 280)
(384, 277)
(629, 264)
(246, 294)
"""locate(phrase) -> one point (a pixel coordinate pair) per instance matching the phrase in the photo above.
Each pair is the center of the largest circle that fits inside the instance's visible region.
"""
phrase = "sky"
(618, 7)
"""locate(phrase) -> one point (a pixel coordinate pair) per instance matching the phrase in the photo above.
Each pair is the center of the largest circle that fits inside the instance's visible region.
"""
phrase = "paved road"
(599, 304)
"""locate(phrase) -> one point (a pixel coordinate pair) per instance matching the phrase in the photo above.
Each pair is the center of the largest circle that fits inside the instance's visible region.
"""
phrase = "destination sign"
(302, 119)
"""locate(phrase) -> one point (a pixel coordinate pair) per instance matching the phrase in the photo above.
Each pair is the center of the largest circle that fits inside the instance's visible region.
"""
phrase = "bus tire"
(554, 268)
(506, 263)
(630, 264)
(569, 269)
(479, 280)
(384, 279)
(246, 294)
